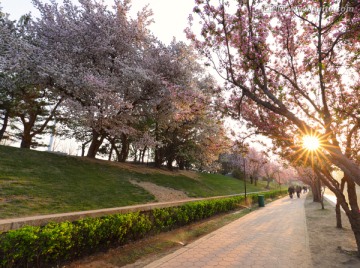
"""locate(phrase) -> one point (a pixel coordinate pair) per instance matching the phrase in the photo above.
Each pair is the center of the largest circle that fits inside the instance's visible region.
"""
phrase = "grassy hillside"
(33, 183)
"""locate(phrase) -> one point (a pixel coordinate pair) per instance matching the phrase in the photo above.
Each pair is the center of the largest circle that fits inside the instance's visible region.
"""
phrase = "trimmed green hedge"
(56, 243)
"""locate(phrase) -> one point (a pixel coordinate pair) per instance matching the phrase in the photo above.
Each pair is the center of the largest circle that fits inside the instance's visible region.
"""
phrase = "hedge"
(57, 243)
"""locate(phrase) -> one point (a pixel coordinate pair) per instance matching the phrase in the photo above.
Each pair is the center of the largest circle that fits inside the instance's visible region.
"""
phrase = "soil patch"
(161, 194)
(329, 246)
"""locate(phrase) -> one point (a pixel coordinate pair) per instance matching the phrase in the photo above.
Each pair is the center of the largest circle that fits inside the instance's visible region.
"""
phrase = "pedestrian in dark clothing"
(291, 191)
(298, 191)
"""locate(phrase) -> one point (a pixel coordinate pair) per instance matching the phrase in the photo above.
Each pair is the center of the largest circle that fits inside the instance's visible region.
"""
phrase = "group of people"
(296, 189)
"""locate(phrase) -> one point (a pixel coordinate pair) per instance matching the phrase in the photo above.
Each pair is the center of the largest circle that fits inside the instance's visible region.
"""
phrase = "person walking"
(291, 191)
(298, 191)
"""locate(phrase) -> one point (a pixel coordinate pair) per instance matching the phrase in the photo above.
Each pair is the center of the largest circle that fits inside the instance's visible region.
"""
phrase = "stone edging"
(16, 223)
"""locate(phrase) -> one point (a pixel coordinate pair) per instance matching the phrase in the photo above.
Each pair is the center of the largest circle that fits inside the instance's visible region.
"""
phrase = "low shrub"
(56, 243)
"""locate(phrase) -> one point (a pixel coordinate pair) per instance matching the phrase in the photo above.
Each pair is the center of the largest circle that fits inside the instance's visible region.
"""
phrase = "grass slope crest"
(38, 183)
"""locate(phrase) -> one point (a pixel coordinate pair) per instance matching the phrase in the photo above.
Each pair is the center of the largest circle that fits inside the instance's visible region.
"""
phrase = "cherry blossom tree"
(270, 170)
(95, 57)
(7, 40)
(182, 118)
(275, 79)
(296, 69)
(257, 160)
(28, 101)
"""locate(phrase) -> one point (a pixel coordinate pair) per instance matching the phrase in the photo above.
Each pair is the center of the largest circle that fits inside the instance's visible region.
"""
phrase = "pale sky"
(170, 15)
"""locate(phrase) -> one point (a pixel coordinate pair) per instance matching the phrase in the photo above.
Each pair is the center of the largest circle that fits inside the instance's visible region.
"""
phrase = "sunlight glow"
(311, 143)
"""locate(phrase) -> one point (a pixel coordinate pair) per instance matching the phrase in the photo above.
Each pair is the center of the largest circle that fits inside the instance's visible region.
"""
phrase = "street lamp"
(244, 162)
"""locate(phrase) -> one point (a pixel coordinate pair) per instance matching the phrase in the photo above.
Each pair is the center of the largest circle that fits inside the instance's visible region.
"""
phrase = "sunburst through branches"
(308, 148)
(311, 143)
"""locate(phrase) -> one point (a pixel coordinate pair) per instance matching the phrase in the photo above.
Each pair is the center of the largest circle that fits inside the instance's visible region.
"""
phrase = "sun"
(311, 143)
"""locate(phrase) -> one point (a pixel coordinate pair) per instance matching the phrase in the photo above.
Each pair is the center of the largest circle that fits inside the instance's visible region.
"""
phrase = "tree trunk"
(347, 165)
(181, 164)
(267, 183)
(125, 144)
(158, 157)
(158, 151)
(26, 141)
(316, 192)
(338, 215)
(143, 154)
(338, 207)
(4, 126)
(353, 214)
(351, 209)
(321, 193)
(169, 164)
(111, 151)
(26, 137)
(95, 144)
(83, 146)
(354, 219)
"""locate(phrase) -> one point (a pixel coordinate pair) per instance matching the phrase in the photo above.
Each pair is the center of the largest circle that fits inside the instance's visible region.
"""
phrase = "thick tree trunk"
(353, 214)
(26, 137)
(158, 157)
(95, 144)
(354, 219)
(4, 126)
(26, 141)
(125, 144)
(169, 164)
(268, 183)
(316, 191)
(181, 164)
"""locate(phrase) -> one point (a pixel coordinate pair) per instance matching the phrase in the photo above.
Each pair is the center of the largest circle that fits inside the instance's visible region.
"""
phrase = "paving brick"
(272, 236)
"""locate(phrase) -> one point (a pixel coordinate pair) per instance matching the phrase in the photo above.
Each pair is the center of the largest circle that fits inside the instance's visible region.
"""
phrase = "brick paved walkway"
(274, 236)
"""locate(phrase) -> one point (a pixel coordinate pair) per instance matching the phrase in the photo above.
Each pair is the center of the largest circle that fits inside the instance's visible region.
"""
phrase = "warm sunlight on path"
(273, 236)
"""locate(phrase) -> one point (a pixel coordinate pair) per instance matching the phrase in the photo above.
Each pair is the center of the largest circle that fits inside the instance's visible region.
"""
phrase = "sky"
(170, 16)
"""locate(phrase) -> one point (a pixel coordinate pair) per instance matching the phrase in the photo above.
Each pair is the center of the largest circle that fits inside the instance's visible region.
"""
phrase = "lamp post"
(244, 163)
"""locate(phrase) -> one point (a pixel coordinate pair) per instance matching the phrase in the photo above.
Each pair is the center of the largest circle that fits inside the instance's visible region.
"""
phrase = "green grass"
(34, 183)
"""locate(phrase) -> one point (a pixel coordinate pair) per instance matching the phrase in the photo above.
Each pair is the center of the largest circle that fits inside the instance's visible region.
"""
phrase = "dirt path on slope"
(162, 194)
